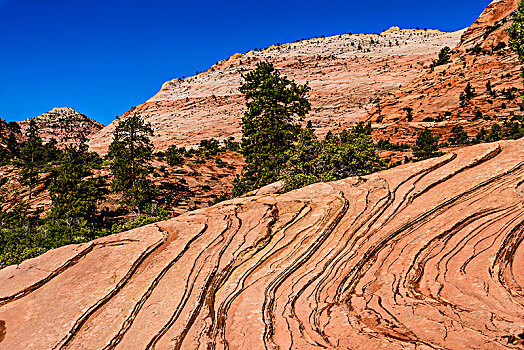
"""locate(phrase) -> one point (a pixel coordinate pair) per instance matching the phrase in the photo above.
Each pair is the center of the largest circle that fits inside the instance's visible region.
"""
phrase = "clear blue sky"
(102, 57)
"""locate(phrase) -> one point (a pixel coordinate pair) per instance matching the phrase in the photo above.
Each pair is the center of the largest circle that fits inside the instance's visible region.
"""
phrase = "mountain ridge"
(482, 56)
(188, 110)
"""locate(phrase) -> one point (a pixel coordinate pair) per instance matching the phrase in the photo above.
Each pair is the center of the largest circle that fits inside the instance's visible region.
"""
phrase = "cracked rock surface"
(427, 255)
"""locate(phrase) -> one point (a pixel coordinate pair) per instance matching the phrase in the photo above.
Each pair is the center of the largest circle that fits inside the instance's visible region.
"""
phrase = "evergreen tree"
(20, 238)
(208, 148)
(467, 95)
(469, 91)
(513, 130)
(130, 153)
(489, 88)
(426, 145)
(495, 133)
(444, 57)
(5, 156)
(32, 157)
(50, 151)
(458, 136)
(12, 146)
(361, 128)
(409, 114)
(516, 31)
(270, 124)
(302, 168)
(74, 191)
(481, 135)
(380, 117)
(516, 34)
(174, 155)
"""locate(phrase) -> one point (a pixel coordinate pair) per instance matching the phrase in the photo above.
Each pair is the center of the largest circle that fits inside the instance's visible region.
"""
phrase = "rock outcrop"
(481, 57)
(428, 255)
(345, 72)
(65, 125)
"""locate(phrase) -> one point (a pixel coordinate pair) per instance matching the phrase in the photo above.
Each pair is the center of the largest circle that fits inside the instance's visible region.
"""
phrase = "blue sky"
(102, 57)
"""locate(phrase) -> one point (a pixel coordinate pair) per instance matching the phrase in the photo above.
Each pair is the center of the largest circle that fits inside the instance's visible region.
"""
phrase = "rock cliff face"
(65, 125)
(482, 56)
(486, 30)
(346, 73)
(428, 255)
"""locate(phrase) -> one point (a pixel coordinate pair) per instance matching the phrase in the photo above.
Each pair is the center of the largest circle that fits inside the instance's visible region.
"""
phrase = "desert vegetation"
(277, 145)
(399, 229)
(80, 184)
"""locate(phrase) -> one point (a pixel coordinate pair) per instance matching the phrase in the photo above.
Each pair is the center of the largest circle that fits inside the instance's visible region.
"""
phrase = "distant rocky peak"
(60, 112)
(63, 110)
(64, 124)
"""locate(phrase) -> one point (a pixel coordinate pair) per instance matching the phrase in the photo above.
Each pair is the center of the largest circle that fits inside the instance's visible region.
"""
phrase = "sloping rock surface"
(345, 72)
(424, 256)
(436, 93)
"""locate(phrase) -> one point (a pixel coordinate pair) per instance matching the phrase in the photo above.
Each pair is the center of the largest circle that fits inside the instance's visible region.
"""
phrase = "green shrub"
(174, 155)
(426, 146)
(389, 146)
(458, 136)
(136, 222)
(338, 156)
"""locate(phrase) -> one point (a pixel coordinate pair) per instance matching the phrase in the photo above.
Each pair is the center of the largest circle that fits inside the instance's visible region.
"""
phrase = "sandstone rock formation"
(428, 255)
(65, 125)
(345, 72)
(482, 56)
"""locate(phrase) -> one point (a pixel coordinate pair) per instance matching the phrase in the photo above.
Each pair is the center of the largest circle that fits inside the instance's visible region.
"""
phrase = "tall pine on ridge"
(74, 191)
(31, 155)
(130, 153)
(270, 125)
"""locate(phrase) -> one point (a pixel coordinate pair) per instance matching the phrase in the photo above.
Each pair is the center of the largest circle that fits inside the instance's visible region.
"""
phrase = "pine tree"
(302, 168)
(32, 157)
(380, 117)
(458, 136)
(469, 91)
(467, 95)
(516, 31)
(426, 145)
(12, 146)
(516, 34)
(74, 191)
(409, 114)
(130, 153)
(50, 151)
(270, 124)
(174, 155)
(444, 57)
(495, 133)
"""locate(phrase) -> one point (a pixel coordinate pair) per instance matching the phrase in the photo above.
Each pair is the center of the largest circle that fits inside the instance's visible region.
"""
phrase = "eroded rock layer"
(345, 72)
(424, 256)
(482, 58)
